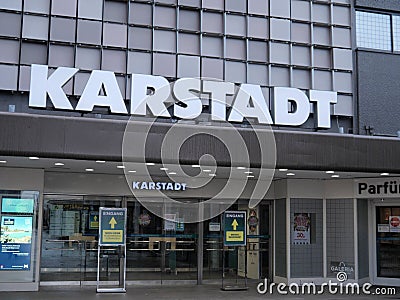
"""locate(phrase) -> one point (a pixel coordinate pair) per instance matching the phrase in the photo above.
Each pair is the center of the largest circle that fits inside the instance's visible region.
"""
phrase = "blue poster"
(235, 228)
(15, 242)
(94, 220)
(112, 226)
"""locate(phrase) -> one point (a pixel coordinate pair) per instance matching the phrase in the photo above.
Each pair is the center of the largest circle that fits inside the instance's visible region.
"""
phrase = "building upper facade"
(302, 44)
(378, 65)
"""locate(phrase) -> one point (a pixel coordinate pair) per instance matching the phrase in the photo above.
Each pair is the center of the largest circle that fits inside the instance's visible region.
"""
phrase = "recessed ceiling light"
(241, 168)
(195, 166)
(172, 173)
(384, 174)
(101, 161)
(330, 172)
(164, 169)
(89, 170)
(207, 171)
(250, 176)
(283, 170)
(121, 167)
(290, 174)
(132, 171)
(33, 158)
(58, 164)
(212, 175)
(335, 176)
(150, 164)
(248, 172)
(3, 161)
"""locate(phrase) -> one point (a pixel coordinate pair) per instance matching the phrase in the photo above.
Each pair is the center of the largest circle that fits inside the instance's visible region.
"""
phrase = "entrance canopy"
(94, 139)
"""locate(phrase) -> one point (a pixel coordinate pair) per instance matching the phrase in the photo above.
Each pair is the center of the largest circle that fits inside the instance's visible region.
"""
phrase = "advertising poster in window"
(394, 223)
(15, 242)
(169, 222)
(301, 229)
(16, 205)
(94, 220)
(180, 224)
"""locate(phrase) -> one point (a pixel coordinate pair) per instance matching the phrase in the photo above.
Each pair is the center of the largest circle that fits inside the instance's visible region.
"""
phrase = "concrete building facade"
(319, 75)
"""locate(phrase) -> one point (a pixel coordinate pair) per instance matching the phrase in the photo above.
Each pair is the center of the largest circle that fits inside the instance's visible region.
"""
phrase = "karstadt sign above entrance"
(151, 94)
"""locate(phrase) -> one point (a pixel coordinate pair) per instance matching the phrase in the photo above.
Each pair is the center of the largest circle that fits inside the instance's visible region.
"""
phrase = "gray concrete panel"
(84, 138)
(379, 91)
(379, 4)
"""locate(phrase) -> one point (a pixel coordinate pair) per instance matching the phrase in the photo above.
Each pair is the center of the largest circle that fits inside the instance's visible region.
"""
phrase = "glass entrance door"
(234, 262)
(159, 249)
(69, 238)
(388, 241)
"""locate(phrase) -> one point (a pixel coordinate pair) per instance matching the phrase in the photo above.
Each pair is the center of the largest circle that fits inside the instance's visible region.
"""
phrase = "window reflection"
(396, 33)
(373, 31)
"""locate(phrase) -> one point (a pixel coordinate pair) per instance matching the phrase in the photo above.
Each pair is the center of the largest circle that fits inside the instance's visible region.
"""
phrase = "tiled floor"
(168, 292)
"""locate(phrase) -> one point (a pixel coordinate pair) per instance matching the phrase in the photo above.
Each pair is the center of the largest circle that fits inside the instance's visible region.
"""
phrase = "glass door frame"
(84, 270)
(271, 222)
(164, 251)
(124, 200)
(373, 270)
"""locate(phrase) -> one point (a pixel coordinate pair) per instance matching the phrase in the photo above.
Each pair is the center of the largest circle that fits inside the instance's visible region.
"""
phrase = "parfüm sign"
(377, 187)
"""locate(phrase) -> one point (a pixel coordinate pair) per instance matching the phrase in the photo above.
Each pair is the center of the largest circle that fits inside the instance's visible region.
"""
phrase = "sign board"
(94, 220)
(394, 223)
(341, 266)
(112, 226)
(252, 221)
(16, 242)
(387, 187)
(235, 228)
(180, 224)
(169, 222)
(144, 219)
(214, 227)
(44, 87)
(159, 186)
(17, 205)
(301, 229)
(383, 228)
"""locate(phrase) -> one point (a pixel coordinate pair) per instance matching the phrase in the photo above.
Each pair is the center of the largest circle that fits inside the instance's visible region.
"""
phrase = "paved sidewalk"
(208, 292)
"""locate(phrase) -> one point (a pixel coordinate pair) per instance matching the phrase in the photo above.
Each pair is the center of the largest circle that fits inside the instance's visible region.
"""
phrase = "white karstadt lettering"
(160, 186)
(151, 94)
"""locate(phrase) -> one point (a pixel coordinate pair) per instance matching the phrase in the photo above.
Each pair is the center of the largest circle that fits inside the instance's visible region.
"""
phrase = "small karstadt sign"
(159, 186)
